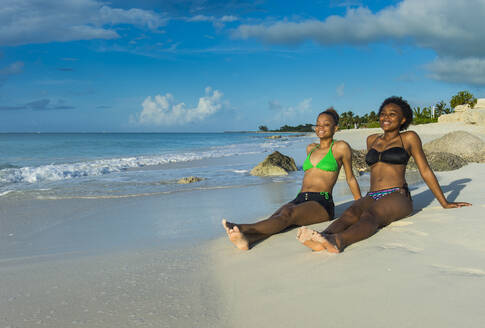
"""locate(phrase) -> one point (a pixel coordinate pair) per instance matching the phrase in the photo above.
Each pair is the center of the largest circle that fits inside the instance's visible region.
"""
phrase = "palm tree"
(373, 117)
(347, 120)
(418, 113)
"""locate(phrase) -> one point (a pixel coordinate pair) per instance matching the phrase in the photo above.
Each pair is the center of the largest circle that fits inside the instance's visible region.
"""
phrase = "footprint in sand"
(460, 271)
(400, 223)
(397, 226)
(433, 208)
(406, 248)
(418, 233)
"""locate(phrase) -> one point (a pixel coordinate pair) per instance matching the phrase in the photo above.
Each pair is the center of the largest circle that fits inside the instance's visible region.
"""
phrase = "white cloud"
(31, 21)
(217, 22)
(12, 69)
(132, 16)
(340, 90)
(274, 105)
(453, 29)
(345, 3)
(228, 19)
(200, 18)
(41, 105)
(285, 114)
(163, 110)
(447, 26)
(465, 70)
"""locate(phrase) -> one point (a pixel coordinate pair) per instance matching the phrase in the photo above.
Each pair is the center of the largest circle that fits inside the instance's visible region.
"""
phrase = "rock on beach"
(461, 143)
(275, 164)
(465, 114)
(190, 179)
(273, 137)
(440, 161)
(359, 165)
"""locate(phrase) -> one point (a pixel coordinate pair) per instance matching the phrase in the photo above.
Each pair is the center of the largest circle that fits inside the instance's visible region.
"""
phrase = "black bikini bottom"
(323, 198)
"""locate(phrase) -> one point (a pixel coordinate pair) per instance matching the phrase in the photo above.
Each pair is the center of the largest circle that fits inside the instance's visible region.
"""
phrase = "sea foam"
(56, 172)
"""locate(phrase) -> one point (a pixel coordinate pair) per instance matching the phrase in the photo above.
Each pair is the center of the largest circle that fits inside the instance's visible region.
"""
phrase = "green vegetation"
(462, 98)
(263, 128)
(348, 120)
(440, 109)
(423, 116)
(299, 128)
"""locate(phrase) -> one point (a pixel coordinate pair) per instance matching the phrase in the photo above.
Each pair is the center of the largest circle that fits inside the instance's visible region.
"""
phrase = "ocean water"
(119, 165)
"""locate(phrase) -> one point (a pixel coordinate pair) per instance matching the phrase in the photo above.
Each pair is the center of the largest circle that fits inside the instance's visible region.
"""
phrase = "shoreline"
(165, 261)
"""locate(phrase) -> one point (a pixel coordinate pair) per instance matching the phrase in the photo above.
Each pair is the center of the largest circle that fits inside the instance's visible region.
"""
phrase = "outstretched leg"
(244, 235)
(235, 236)
(314, 240)
(379, 214)
(350, 216)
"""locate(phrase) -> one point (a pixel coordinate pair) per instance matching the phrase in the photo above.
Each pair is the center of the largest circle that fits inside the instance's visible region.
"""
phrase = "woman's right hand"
(456, 204)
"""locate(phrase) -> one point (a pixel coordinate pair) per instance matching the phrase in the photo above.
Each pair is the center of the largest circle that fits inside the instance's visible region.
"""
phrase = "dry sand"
(427, 270)
(424, 271)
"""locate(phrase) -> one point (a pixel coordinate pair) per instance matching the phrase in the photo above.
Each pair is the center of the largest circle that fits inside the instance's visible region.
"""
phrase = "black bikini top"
(394, 155)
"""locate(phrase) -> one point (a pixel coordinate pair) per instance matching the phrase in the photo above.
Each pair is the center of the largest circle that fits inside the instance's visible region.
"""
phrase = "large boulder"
(359, 165)
(358, 161)
(461, 143)
(275, 164)
(440, 161)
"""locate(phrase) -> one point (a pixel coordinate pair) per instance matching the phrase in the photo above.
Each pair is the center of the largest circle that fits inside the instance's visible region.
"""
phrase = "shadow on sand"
(425, 198)
(339, 209)
(420, 201)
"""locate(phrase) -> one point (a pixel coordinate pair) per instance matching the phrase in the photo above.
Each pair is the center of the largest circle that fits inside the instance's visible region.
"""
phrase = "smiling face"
(325, 127)
(391, 117)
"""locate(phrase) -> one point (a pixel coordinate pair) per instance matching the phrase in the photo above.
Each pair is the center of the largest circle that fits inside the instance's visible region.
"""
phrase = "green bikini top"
(327, 163)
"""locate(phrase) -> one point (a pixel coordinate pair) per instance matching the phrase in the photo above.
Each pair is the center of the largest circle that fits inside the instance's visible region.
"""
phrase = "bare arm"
(371, 139)
(349, 174)
(427, 174)
(310, 147)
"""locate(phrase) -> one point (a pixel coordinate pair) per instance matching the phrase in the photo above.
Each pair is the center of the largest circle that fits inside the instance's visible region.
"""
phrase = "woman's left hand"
(456, 204)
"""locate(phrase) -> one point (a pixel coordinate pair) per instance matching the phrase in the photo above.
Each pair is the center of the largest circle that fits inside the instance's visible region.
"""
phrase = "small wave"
(240, 171)
(146, 194)
(56, 172)
(103, 196)
(8, 166)
(5, 193)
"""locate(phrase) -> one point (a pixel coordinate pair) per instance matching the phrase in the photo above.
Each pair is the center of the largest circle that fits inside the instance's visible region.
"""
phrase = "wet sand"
(166, 262)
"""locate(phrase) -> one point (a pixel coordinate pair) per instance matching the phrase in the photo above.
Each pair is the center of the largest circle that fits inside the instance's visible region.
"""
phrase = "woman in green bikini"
(314, 203)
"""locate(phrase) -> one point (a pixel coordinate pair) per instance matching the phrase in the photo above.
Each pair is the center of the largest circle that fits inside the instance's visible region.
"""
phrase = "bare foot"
(235, 236)
(315, 240)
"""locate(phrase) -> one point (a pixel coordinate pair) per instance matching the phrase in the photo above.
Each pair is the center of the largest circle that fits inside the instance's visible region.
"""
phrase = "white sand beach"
(426, 270)
(113, 263)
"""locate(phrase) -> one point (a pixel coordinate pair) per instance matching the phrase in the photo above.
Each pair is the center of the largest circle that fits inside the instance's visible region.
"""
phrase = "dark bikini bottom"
(323, 198)
(378, 194)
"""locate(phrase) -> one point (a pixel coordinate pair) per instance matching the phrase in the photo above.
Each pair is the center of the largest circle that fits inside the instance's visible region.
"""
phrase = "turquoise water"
(57, 165)
(40, 149)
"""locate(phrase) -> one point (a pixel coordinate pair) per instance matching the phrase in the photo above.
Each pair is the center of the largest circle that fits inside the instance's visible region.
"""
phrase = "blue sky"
(197, 66)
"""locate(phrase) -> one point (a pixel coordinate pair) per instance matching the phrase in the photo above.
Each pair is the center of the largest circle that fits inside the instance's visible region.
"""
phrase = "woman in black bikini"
(389, 199)
(314, 203)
